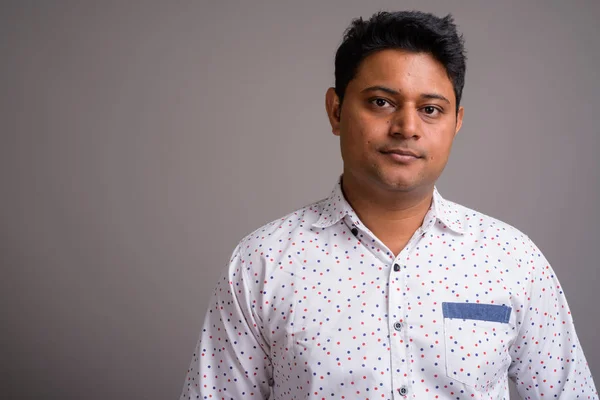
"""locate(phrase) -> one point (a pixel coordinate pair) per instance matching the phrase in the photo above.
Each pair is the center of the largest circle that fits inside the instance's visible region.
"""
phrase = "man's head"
(399, 79)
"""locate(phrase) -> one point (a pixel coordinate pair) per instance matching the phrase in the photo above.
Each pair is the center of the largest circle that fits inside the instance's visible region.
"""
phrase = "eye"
(431, 111)
(379, 102)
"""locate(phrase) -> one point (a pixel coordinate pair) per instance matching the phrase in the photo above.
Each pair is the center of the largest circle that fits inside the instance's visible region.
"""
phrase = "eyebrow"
(388, 90)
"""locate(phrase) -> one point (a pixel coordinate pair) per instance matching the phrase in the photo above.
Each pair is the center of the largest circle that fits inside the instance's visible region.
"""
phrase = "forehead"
(404, 71)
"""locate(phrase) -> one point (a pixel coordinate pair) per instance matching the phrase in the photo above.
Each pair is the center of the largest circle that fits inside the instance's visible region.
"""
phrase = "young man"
(385, 289)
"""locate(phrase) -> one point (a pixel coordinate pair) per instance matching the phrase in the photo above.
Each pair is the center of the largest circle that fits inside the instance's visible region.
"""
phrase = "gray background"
(139, 141)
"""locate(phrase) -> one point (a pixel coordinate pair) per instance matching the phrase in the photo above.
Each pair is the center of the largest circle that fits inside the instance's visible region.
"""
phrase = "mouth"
(401, 155)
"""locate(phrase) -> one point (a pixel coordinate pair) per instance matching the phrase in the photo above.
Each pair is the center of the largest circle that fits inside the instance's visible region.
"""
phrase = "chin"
(404, 180)
(389, 180)
(402, 187)
(398, 184)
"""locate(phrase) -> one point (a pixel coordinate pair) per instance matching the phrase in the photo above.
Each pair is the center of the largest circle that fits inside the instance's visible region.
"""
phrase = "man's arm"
(547, 359)
(231, 359)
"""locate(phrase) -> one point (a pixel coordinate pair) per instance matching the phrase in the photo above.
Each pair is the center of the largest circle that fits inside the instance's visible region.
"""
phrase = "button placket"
(398, 298)
(397, 327)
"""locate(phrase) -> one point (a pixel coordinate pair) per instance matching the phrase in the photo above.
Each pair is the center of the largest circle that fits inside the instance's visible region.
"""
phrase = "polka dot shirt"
(314, 306)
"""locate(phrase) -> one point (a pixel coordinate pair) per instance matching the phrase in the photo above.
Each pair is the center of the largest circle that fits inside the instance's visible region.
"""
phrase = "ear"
(333, 108)
(459, 120)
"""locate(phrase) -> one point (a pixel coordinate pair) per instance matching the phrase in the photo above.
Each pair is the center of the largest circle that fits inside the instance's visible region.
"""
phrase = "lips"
(402, 156)
(401, 152)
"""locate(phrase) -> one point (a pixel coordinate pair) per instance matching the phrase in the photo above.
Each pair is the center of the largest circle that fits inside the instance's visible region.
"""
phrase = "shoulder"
(278, 234)
(495, 232)
(475, 222)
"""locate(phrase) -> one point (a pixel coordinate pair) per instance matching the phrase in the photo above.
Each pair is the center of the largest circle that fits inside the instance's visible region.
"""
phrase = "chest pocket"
(477, 338)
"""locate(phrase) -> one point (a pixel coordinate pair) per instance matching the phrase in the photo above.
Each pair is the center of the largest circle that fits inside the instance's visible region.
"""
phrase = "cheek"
(357, 136)
(361, 123)
(440, 147)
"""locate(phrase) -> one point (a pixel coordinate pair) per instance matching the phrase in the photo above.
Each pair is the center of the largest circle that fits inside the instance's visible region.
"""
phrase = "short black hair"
(413, 31)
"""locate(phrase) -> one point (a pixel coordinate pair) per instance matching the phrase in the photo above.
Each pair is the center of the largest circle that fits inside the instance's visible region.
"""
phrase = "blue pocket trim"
(478, 311)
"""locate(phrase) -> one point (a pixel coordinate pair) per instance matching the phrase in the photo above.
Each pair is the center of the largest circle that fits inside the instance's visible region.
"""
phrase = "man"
(385, 289)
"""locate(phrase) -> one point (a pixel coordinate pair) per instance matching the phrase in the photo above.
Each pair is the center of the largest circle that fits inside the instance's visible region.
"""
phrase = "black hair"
(412, 31)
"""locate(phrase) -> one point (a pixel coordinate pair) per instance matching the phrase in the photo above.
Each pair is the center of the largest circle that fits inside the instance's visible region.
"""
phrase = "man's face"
(397, 121)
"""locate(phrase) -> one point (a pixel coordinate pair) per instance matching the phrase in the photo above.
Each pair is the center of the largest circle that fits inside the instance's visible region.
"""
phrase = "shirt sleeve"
(231, 359)
(547, 358)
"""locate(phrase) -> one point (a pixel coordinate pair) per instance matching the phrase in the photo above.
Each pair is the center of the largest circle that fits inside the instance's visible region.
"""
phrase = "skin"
(398, 100)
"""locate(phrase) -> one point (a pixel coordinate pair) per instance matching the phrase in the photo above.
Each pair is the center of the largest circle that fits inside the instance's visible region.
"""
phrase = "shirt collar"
(335, 207)
(449, 213)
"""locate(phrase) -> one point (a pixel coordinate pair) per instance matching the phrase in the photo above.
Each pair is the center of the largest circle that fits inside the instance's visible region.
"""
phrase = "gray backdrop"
(140, 140)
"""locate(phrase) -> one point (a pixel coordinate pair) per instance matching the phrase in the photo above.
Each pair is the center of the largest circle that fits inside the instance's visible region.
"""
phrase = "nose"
(405, 123)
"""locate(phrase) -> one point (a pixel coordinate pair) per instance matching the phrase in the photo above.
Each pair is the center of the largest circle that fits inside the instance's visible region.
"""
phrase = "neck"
(393, 216)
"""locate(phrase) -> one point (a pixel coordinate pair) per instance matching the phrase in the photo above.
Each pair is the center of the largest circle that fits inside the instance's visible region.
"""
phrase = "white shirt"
(309, 309)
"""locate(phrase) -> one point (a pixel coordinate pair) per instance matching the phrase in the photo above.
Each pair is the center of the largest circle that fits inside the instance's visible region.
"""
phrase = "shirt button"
(403, 391)
(354, 231)
(396, 267)
(398, 326)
